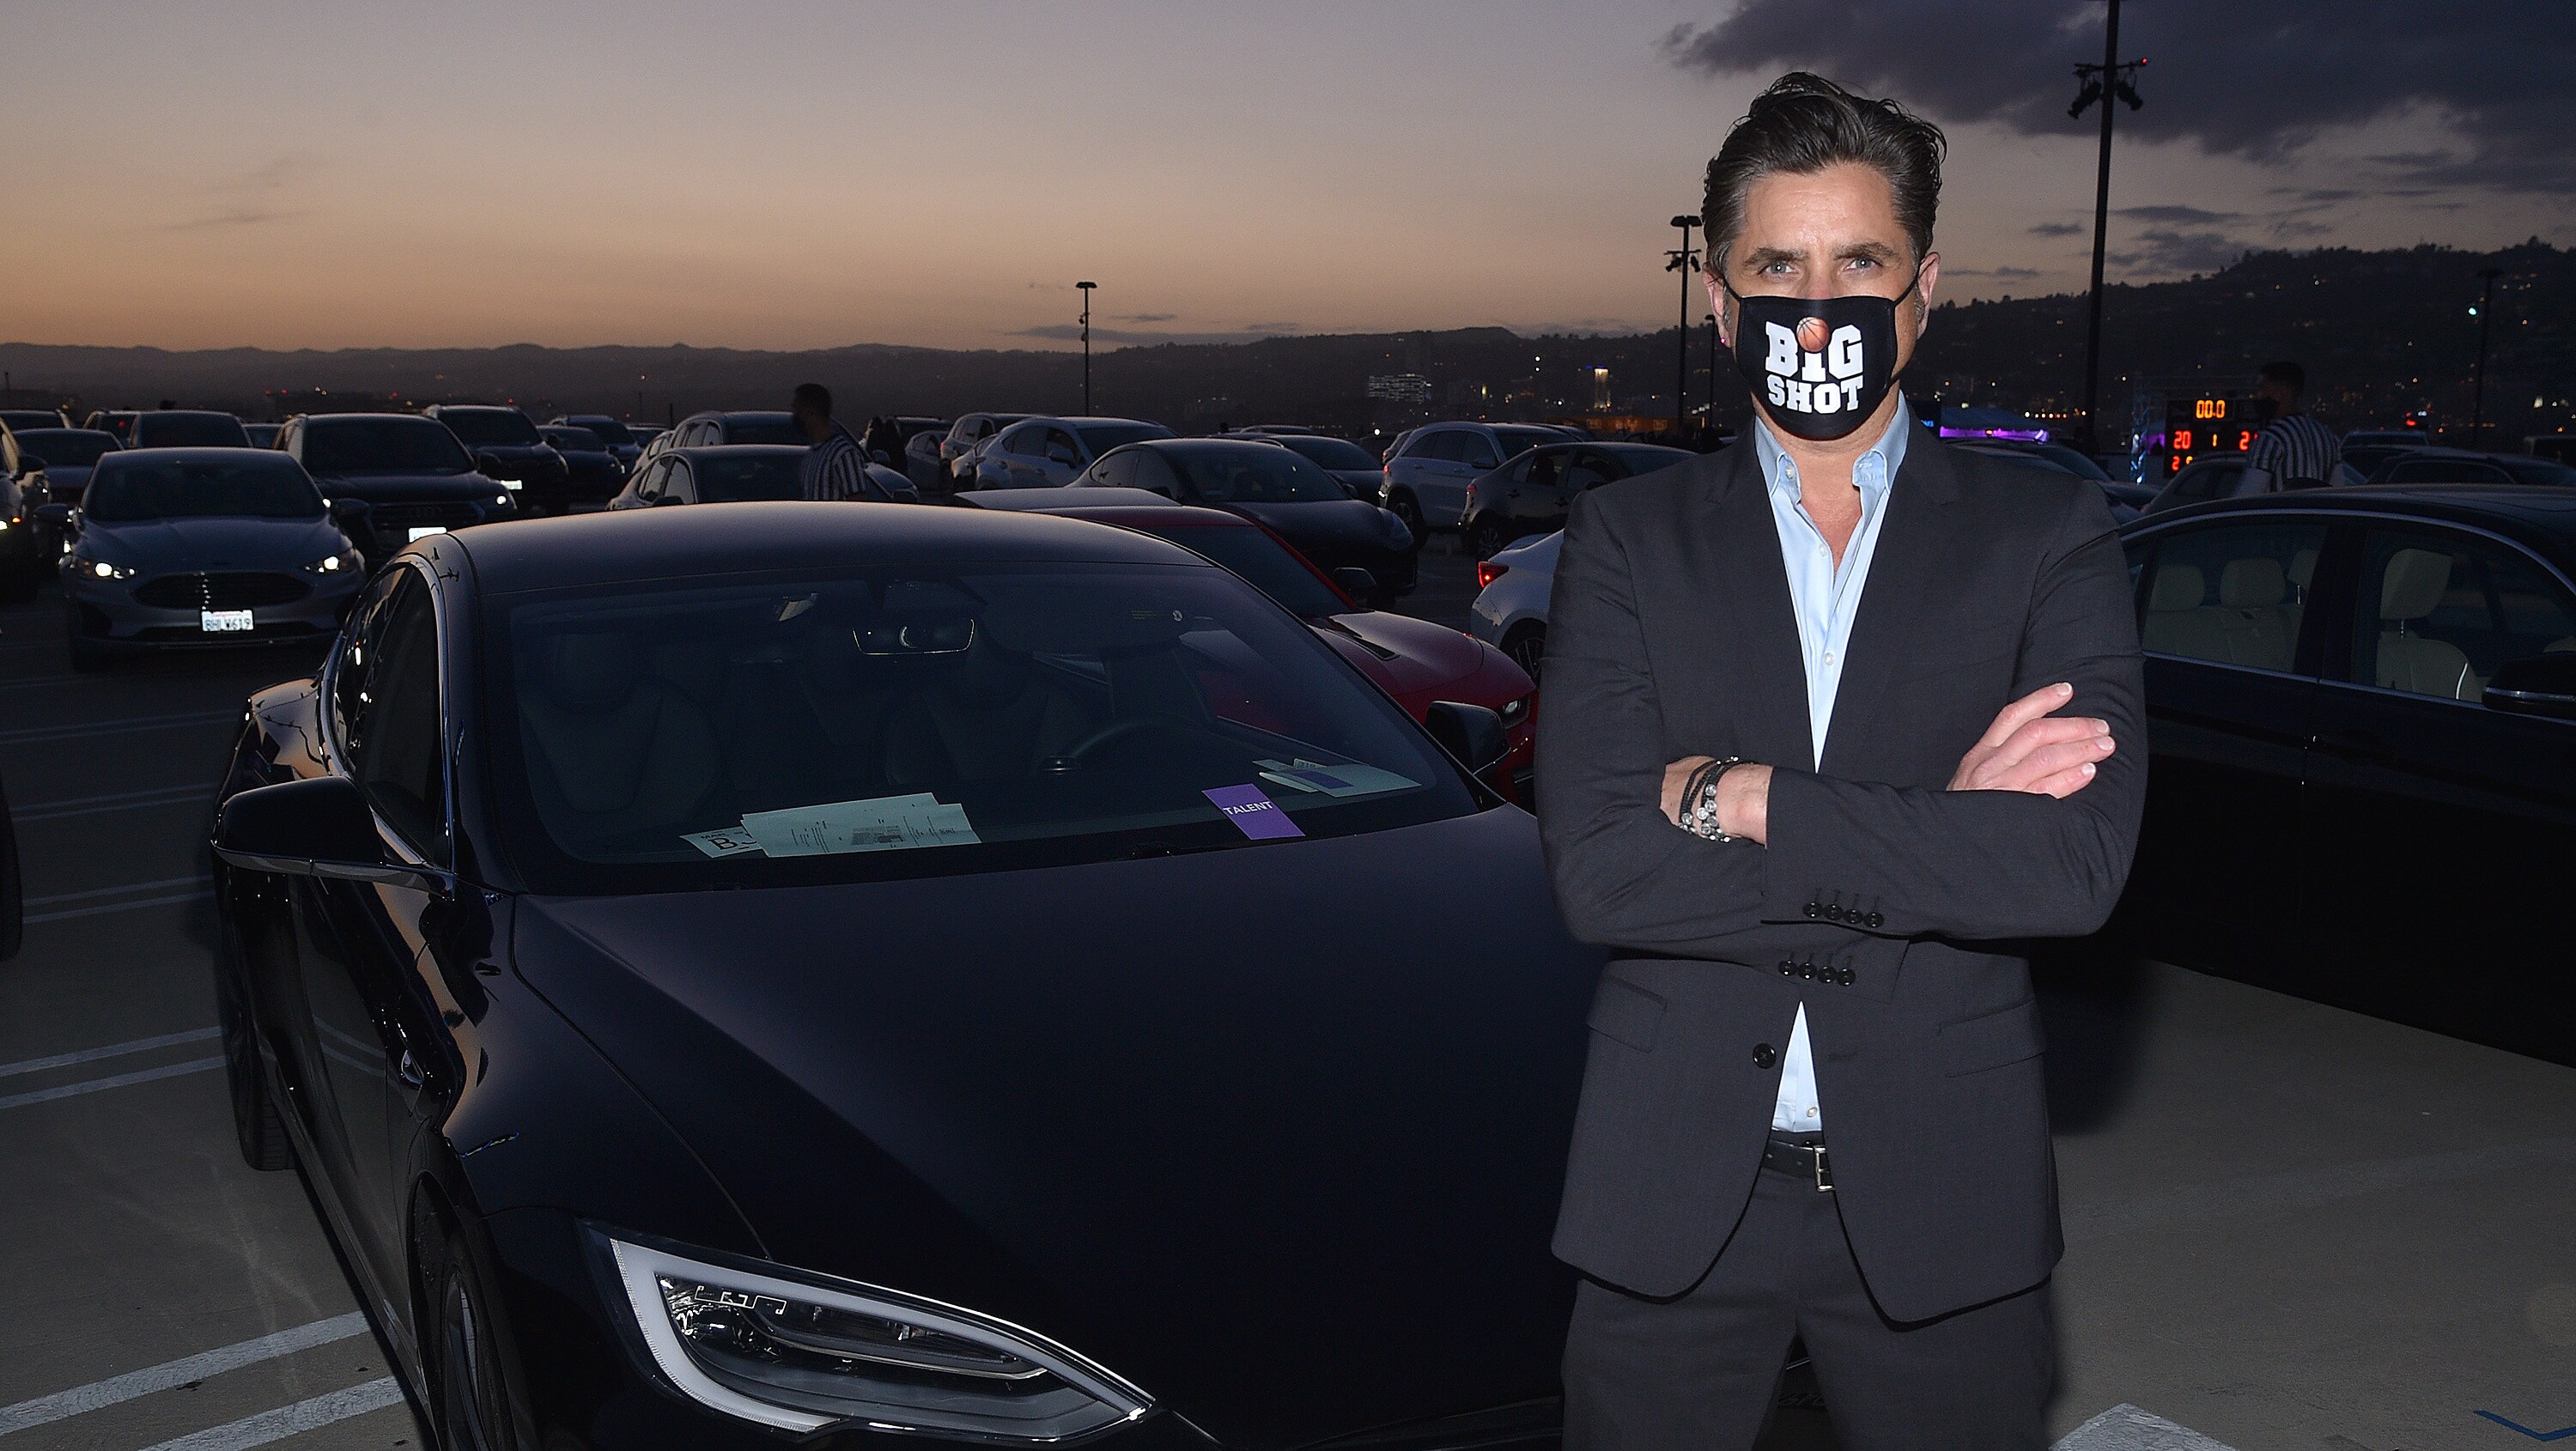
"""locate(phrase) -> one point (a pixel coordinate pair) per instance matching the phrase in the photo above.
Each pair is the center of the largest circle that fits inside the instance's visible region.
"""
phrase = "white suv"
(1430, 468)
(1042, 452)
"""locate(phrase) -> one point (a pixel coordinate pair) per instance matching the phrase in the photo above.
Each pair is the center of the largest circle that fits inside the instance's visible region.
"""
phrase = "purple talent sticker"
(1253, 814)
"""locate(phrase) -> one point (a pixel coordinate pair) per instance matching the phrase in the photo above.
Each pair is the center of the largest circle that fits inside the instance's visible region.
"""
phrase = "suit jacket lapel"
(1897, 602)
(1763, 684)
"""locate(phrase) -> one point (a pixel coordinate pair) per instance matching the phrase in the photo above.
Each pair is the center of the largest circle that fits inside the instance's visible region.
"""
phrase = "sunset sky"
(195, 175)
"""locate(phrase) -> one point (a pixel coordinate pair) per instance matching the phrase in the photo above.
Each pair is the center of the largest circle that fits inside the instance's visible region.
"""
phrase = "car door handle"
(409, 1069)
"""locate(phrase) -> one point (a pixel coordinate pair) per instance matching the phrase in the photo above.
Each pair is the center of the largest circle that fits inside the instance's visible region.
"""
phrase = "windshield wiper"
(1364, 642)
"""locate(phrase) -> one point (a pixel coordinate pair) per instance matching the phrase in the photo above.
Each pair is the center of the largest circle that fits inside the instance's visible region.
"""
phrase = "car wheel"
(256, 1125)
(1527, 646)
(1487, 537)
(469, 1409)
(1401, 504)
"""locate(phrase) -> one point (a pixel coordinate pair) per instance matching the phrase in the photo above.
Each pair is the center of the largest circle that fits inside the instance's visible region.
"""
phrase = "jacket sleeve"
(1917, 861)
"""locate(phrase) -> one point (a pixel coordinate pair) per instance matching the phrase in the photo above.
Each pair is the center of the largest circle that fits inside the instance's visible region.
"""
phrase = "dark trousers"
(1700, 1372)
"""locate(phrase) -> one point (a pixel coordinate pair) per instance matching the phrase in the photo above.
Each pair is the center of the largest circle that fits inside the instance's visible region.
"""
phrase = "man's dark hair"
(1804, 123)
(2288, 375)
(814, 396)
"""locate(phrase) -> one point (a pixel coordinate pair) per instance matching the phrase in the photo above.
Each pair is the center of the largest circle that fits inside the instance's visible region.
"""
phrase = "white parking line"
(121, 801)
(287, 1421)
(126, 725)
(97, 892)
(117, 907)
(2126, 1428)
(117, 1389)
(121, 1080)
(112, 1050)
(41, 680)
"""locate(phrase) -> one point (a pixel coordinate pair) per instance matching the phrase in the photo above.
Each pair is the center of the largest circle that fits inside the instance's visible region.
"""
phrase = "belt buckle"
(1824, 1173)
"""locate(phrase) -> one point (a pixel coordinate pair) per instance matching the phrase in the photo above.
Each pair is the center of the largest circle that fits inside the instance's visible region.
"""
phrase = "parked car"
(2210, 478)
(1413, 660)
(409, 472)
(1261, 480)
(592, 474)
(962, 438)
(1360, 475)
(2557, 447)
(508, 448)
(738, 425)
(1534, 491)
(723, 474)
(1512, 588)
(2461, 466)
(21, 419)
(2361, 460)
(725, 932)
(2363, 701)
(261, 435)
(611, 432)
(1429, 468)
(118, 421)
(2127, 500)
(67, 455)
(1044, 452)
(2387, 438)
(25, 550)
(186, 428)
(188, 548)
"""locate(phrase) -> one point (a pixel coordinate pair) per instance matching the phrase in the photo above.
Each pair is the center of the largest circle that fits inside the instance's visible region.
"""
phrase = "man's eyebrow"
(1867, 251)
(1761, 257)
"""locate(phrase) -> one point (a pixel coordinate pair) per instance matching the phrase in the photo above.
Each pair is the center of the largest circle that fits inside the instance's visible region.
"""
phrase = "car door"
(1528, 487)
(1061, 457)
(366, 936)
(1588, 468)
(1442, 493)
(2442, 824)
(2230, 691)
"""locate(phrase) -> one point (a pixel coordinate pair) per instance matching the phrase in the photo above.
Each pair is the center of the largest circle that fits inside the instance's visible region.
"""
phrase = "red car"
(1413, 660)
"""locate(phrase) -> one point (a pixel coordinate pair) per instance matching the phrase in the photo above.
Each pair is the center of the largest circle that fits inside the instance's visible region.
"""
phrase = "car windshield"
(608, 431)
(2537, 471)
(1327, 453)
(129, 490)
(1253, 474)
(189, 430)
(2071, 460)
(67, 447)
(1100, 438)
(924, 719)
(1262, 561)
(764, 428)
(724, 480)
(574, 440)
(382, 446)
(483, 426)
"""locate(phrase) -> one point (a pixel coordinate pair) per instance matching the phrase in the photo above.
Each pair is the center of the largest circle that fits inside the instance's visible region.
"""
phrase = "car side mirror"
(2542, 685)
(319, 827)
(1472, 733)
(60, 516)
(1356, 582)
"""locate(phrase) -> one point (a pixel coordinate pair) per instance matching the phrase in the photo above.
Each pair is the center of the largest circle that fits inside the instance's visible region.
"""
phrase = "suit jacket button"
(1764, 1055)
(1787, 967)
(1814, 911)
(1846, 978)
(1806, 969)
(1876, 921)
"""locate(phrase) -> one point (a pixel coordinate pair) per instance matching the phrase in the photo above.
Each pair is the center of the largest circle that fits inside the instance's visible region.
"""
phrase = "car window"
(1100, 438)
(190, 430)
(880, 721)
(2231, 594)
(2441, 610)
(1258, 474)
(1027, 441)
(1117, 471)
(1153, 472)
(1329, 453)
(1477, 452)
(574, 440)
(679, 484)
(1443, 445)
(737, 478)
(2538, 471)
(1591, 468)
(67, 447)
(2445, 471)
(1056, 443)
(484, 427)
(397, 739)
(383, 445)
(759, 428)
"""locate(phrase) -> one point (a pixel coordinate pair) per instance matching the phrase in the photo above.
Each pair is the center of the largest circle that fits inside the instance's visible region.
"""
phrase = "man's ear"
(1930, 279)
(1717, 300)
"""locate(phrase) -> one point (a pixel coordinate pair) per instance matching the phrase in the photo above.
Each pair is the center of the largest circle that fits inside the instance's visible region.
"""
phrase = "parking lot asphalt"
(2287, 1225)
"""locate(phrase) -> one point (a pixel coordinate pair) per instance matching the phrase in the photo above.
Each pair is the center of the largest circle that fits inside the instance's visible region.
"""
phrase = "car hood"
(1414, 659)
(67, 476)
(1325, 523)
(167, 546)
(405, 488)
(1277, 1133)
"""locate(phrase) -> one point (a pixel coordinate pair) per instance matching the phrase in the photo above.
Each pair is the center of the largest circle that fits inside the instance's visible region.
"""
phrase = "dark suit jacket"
(1883, 901)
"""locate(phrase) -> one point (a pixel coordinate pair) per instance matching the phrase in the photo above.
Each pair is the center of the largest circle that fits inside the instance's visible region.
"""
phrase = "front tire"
(1527, 647)
(1402, 505)
(469, 1407)
(1488, 537)
(257, 1127)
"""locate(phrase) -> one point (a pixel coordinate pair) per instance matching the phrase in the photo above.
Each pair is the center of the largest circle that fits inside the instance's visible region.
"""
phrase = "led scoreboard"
(2197, 428)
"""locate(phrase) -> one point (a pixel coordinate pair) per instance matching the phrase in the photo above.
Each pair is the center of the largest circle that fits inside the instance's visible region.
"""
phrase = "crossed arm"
(2031, 836)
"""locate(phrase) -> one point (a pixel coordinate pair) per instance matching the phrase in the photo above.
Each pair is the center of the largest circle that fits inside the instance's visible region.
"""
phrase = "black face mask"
(1822, 392)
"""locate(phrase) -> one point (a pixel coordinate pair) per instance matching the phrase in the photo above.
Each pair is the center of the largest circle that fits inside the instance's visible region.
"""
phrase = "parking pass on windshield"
(1253, 814)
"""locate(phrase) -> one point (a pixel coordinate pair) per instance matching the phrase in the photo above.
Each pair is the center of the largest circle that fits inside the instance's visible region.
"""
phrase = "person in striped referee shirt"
(2294, 450)
(834, 469)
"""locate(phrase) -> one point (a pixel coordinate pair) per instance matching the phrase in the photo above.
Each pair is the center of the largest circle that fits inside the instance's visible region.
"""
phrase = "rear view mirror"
(1472, 733)
(2541, 685)
(321, 827)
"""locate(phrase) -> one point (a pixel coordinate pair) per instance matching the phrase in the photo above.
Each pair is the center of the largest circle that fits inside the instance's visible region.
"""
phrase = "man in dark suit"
(1836, 716)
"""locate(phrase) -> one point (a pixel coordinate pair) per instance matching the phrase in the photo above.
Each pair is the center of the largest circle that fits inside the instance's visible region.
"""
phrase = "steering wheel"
(1116, 730)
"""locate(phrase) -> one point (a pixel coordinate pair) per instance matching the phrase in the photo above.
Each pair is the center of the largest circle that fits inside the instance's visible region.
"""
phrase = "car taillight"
(1487, 572)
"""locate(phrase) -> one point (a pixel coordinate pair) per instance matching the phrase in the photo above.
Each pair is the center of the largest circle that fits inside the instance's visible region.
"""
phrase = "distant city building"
(1600, 390)
(1399, 387)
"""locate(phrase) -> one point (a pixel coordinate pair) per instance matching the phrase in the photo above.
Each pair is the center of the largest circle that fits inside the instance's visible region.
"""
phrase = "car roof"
(1222, 443)
(1155, 512)
(58, 428)
(476, 408)
(200, 453)
(1088, 497)
(2538, 509)
(311, 419)
(740, 450)
(721, 539)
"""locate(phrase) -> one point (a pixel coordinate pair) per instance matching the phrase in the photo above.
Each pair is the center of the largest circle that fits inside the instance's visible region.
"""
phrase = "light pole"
(2108, 81)
(1708, 415)
(1086, 345)
(1680, 261)
(2478, 397)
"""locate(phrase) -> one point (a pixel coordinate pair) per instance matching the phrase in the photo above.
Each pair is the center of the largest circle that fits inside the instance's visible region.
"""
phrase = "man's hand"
(2027, 749)
(1743, 796)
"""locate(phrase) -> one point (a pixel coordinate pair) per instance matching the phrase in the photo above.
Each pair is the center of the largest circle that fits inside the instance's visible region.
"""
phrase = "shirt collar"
(1873, 472)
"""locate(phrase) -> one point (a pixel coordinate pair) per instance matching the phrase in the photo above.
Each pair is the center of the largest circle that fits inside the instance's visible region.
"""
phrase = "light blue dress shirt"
(1826, 598)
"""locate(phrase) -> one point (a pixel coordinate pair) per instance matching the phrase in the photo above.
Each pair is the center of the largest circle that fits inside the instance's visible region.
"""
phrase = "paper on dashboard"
(883, 823)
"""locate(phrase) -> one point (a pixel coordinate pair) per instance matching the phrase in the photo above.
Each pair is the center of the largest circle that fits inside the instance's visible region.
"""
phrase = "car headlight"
(800, 1353)
(1514, 711)
(510, 484)
(100, 568)
(502, 500)
(345, 562)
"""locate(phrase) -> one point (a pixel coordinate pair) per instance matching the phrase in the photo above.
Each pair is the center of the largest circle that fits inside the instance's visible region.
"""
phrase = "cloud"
(1270, 327)
(1067, 332)
(2058, 229)
(2260, 82)
(2177, 216)
(1147, 316)
(2165, 252)
(231, 217)
(2000, 274)
(2290, 228)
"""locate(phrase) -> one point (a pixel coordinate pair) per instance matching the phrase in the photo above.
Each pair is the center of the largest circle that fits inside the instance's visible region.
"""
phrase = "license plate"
(425, 532)
(216, 622)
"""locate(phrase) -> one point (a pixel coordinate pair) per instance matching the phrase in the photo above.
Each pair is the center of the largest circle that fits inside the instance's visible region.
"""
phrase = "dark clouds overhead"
(2252, 78)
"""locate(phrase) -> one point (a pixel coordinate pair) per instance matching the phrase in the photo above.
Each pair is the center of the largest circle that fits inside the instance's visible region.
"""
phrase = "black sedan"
(1535, 489)
(1261, 480)
(508, 449)
(411, 474)
(2363, 730)
(882, 974)
(25, 552)
(593, 473)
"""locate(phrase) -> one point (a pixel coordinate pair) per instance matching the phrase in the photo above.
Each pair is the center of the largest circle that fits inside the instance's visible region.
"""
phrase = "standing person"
(834, 469)
(1837, 715)
(2294, 450)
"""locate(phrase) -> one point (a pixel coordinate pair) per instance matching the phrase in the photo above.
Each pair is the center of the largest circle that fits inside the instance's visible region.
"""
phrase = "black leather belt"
(1799, 1154)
